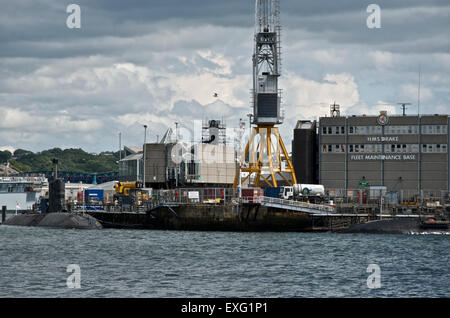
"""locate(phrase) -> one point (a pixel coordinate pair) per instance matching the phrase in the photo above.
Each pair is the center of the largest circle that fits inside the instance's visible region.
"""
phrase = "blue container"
(94, 196)
(272, 192)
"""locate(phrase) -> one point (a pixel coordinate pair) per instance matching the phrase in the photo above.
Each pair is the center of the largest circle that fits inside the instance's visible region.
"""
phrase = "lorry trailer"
(304, 192)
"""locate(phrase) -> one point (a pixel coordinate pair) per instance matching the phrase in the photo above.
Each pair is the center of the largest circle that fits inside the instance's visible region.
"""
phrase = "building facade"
(131, 167)
(184, 165)
(400, 152)
(304, 152)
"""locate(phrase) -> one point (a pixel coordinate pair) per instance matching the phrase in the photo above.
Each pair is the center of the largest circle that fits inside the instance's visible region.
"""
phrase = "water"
(138, 263)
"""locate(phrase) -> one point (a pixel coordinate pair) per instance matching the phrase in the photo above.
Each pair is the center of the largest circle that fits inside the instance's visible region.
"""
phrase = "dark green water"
(127, 263)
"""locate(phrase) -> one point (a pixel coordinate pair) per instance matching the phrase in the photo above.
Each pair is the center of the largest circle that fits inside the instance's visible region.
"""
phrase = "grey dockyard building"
(404, 153)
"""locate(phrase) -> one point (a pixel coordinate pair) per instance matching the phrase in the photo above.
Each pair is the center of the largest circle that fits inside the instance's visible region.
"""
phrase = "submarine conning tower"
(56, 191)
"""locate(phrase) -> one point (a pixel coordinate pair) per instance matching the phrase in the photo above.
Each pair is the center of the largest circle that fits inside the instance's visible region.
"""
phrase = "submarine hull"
(396, 226)
(55, 220)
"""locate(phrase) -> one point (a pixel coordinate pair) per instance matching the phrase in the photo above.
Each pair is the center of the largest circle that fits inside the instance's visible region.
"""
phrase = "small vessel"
(20, 193)
(434, 224)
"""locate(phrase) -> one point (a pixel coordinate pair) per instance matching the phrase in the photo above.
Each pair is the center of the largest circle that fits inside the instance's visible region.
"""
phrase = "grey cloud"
(41, 59)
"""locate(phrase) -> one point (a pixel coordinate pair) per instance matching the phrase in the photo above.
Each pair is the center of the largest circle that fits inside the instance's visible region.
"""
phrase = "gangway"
(292, 205)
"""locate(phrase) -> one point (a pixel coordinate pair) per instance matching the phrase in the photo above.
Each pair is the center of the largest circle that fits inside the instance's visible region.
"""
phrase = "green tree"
(5, 156)
(21, 152)
(76, 160)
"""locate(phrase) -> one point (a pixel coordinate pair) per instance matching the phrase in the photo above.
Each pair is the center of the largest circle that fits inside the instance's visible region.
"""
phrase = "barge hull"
(209, 218)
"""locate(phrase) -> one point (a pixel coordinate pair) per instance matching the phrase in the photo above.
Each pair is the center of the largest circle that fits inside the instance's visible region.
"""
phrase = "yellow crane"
(129, 192)
(125, 187)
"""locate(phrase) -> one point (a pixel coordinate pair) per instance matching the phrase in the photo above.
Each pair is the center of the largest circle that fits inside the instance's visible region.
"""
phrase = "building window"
(336, 148)
(324, 130)
(434, 129)
(400, 130)
(424, 129)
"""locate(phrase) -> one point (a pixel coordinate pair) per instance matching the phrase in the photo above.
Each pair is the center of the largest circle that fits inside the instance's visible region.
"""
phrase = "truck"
(304, 192)
(128, 193)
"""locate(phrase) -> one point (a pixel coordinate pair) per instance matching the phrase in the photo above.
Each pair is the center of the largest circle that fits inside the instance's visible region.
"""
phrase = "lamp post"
(120, 146)
(239, 158)
(144, 150)
(250, 121)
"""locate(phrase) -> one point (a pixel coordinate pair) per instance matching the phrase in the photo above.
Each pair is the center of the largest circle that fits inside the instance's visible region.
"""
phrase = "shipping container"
(94, 196)
(272, 192)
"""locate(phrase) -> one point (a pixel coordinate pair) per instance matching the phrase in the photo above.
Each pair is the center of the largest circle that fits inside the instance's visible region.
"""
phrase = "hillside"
(76, 160)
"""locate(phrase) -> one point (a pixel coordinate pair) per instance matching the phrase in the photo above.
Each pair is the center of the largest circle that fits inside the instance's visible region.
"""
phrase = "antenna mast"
(418, 91)
(404, 107)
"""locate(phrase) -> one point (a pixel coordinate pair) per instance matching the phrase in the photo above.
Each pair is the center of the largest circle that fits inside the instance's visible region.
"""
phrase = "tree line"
(76, 160)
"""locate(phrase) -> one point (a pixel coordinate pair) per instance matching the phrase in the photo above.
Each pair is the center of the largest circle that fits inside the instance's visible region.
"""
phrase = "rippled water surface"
(138, 263)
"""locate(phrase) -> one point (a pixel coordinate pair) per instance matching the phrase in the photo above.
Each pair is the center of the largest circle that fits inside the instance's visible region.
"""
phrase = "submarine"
(55, 215)
(400, 226)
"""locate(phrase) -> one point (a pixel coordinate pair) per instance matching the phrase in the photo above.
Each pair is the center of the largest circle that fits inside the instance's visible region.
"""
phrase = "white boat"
(20, 193)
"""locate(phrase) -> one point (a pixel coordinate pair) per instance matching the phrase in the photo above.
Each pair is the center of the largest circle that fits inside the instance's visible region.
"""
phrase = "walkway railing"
(297, 205)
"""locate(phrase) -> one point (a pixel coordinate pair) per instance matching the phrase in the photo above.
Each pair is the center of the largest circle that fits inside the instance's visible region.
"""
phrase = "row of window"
(388, 130)
(364, 130)
(401, 130)
(377, 148)
(434, 129)
(434, 148)
(333, 130)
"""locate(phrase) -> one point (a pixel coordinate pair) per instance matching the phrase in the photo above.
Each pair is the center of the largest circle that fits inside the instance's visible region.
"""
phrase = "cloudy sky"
(158, 62)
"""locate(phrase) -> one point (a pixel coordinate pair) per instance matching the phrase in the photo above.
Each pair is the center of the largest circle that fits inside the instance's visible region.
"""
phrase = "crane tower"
(265, 146)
